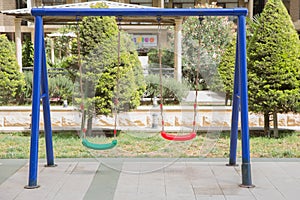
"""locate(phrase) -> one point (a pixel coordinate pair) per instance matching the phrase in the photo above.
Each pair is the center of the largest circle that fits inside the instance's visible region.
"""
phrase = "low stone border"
(18, 118)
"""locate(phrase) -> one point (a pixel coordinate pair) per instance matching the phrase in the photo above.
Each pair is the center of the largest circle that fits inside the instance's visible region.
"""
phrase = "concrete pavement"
(150, 179)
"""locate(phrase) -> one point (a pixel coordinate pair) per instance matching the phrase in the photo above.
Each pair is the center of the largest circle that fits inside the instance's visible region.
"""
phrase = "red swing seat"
(173, 137)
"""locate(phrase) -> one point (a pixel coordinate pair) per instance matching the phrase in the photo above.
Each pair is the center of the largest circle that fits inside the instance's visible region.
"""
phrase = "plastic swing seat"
(186, 137)
(165, 135)
(95, 146)
(84, 141)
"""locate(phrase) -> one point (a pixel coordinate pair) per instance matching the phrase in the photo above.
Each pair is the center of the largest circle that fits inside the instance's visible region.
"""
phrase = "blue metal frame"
(35, 113)
(40, 78)
(235, 109)
(138, 12)
(39, 91)
(46, 109)
(243, 84)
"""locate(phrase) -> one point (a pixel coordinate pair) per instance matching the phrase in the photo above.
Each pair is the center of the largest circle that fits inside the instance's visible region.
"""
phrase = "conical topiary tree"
(223, 80)
(99, 53)
(11, 80)
(110, 65)
(274, 65)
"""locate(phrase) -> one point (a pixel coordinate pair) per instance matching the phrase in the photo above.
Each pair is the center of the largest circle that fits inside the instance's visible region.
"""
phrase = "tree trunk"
(275, 124)
(89, 126)
(227, 97)
(267, 124)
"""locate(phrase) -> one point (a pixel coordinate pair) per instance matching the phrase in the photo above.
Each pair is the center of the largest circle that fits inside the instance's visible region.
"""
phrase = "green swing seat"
(95, 146)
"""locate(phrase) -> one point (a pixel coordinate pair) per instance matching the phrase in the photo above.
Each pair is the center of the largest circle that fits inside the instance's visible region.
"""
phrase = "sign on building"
(144, 41)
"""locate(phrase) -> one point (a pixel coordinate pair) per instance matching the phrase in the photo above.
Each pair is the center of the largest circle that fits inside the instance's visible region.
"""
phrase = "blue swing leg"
(246, 166)
(39, 76)
(46, 111)
(35, 116)
(235, 111)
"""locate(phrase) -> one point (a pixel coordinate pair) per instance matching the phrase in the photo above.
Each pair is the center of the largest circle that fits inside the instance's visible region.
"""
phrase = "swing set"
(40, 84)
(163, 133)
(83, 129)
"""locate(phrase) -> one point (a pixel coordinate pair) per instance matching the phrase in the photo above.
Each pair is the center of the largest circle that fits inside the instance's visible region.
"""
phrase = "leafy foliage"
(167, 62)
(27, 92)
(223, 80)
(66, 52)
(203, 46)
(11, 80)
(108, 73)
(61, 87)
(167, 57)
(27, 53)
(61, 43)
(172, 89)
(274, 65)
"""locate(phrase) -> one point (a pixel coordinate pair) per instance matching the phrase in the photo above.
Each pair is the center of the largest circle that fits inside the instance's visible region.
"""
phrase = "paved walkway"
(151, 179)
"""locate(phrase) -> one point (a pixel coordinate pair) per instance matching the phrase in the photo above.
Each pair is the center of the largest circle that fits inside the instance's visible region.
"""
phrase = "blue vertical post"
(36, 94)
(235, 109)
(46, 109)
(246, 166)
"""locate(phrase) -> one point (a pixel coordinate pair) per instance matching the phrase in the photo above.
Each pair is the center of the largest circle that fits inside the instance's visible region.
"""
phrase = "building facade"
(7, 23)
(17, 29)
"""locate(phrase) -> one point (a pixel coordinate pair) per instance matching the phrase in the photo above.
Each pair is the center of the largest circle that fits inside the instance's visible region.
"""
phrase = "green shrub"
(172, 89)
(166, 55)
(27, 54)
(61, 87)
(11, 80)
(27, 92)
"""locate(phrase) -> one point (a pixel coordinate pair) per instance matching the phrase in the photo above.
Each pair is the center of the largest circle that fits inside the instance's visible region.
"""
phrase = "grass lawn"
(68, 145)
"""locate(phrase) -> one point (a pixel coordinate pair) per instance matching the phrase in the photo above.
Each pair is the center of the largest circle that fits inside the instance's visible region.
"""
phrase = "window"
(21, 4)
(223, 5)
(183, 4)
(53, 2)
(177, 5)
(258, 6)
(141, 2)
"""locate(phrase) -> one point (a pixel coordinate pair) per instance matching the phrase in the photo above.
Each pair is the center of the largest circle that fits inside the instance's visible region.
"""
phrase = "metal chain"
(160, 73)
(116, 99)
(197, 81)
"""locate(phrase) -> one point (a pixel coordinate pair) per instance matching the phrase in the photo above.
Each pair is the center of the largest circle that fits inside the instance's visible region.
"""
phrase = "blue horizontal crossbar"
(138, 12)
